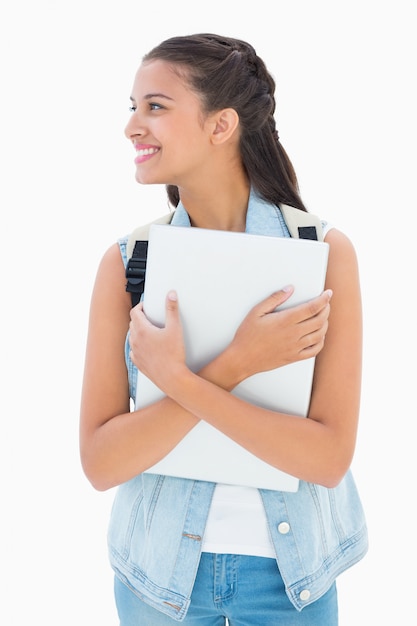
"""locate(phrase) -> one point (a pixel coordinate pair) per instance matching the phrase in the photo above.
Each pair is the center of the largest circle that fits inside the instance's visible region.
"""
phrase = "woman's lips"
(145, 153)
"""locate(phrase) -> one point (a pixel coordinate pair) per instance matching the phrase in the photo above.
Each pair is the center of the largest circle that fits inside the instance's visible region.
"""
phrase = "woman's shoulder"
(336, 237)
(343, 261)
(115, 256)
(111, 270)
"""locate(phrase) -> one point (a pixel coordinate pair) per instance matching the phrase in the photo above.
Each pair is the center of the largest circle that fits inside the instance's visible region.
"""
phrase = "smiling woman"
(202, 123)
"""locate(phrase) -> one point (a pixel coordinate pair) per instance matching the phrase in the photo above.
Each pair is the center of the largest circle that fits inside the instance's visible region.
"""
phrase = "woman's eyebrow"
(149, 96)
(156, 95)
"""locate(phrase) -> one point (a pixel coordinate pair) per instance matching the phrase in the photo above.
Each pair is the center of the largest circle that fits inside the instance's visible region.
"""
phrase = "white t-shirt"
(237, 523)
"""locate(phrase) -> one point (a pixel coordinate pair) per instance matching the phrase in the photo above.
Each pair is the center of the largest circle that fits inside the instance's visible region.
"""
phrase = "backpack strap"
(302, 225)
(137, 250)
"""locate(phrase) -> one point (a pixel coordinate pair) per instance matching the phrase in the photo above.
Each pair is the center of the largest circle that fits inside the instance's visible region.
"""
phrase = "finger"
(273, 301)
(312, 308)
(311, 351)
(315, 323)
(171, 306)
(321, 302)
(172, 298)
(315, 337)
(321, 309)
(136, 310)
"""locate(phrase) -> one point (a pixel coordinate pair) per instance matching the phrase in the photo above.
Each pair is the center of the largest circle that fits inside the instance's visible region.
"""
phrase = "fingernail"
(172, 295)
(287, 288)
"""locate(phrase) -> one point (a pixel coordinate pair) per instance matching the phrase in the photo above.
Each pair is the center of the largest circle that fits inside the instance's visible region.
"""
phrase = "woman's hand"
(159, 353)
(270, 337)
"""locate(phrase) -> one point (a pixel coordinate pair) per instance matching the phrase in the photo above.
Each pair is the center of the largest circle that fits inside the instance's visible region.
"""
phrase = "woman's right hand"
(270, 337)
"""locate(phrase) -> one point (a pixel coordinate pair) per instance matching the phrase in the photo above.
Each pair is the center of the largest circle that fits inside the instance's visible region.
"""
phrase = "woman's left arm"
(318, 449)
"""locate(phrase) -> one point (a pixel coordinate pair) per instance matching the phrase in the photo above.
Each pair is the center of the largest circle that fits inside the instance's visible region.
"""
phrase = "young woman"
(202, 123)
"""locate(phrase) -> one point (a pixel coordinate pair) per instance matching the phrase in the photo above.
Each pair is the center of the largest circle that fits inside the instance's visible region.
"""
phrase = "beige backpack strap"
(302, 225)
(141, 233)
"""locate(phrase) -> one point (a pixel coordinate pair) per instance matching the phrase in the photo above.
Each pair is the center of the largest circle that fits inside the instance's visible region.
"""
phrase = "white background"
(346, 106)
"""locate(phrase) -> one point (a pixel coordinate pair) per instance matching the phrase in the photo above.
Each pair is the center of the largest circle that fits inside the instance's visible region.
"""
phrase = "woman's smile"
(144, 152)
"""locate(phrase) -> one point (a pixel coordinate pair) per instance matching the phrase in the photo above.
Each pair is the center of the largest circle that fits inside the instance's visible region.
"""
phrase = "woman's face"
(167, 128)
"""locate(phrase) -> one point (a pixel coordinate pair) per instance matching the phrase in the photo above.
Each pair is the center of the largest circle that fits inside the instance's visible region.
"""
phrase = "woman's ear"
(225, 123)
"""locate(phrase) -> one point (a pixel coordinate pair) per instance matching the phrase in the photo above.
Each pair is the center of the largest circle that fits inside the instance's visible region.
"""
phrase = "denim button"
(305, 595)
(284, 528)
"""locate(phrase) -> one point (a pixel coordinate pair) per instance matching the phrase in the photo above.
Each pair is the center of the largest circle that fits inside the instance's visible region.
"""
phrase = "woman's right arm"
(116, 444)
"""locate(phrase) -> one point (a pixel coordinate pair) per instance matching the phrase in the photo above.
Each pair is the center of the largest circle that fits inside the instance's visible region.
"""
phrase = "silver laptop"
(219, 276)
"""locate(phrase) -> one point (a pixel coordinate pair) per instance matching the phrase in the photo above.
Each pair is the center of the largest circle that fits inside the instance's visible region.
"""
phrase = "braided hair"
(227, 73)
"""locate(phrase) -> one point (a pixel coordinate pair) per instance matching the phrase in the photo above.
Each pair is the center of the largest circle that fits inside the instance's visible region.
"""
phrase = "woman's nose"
(134, 127)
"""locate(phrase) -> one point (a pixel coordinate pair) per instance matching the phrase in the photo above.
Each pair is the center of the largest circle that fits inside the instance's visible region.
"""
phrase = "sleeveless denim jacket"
(157, 522)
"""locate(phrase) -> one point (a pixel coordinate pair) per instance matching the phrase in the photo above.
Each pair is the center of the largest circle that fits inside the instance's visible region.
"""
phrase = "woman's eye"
(153, 106)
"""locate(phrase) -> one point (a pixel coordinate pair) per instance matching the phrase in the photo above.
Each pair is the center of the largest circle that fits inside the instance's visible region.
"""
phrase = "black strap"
(135, 271)
(307, 232)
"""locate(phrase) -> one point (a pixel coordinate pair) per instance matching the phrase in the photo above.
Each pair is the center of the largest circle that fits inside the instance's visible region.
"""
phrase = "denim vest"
(157, 522)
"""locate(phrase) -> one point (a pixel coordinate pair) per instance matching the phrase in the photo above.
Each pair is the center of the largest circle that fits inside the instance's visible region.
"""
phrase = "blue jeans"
(247, 590)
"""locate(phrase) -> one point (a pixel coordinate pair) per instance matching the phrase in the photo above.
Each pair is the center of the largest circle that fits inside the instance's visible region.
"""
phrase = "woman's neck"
(219, 207)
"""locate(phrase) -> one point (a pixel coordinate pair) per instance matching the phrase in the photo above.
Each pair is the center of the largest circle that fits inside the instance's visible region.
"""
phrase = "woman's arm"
(116, 444)
(318, 449)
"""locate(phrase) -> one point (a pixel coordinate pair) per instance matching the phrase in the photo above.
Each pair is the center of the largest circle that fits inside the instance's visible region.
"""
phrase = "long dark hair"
(227, 73)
